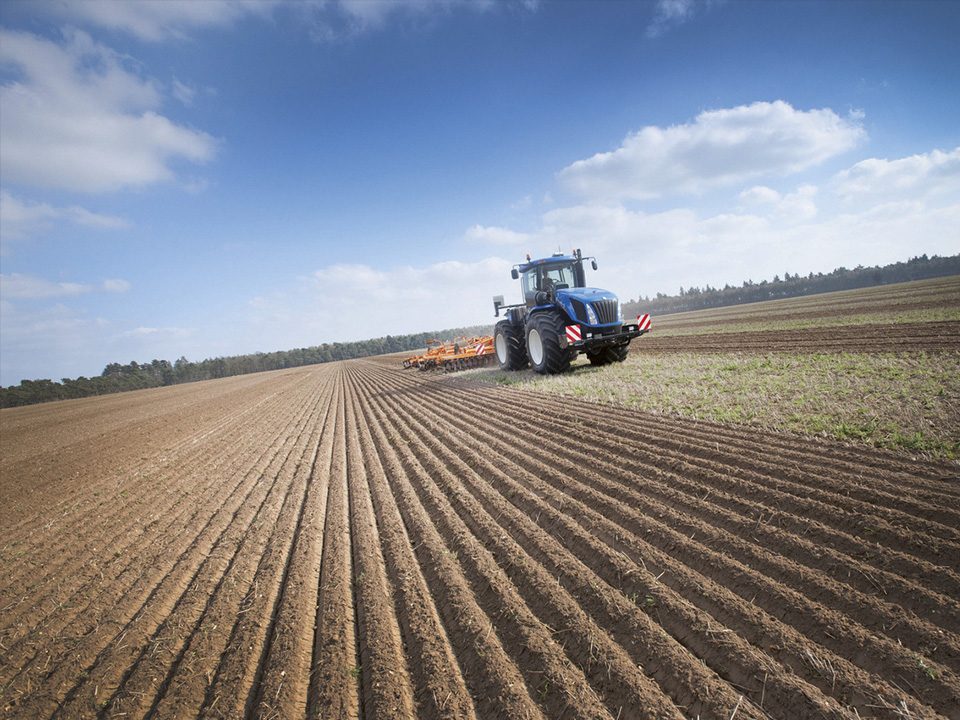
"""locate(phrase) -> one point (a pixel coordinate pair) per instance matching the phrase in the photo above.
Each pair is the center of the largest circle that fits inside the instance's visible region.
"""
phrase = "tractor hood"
(590, 306)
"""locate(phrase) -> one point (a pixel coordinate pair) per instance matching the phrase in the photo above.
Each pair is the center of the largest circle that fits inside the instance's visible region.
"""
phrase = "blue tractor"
(560, 318)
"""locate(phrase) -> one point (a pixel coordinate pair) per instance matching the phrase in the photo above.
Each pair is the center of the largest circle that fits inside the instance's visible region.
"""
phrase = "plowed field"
(922, 336)
(356, 541)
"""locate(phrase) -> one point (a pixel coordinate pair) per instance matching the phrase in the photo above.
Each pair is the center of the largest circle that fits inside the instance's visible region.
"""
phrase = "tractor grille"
(606, 311)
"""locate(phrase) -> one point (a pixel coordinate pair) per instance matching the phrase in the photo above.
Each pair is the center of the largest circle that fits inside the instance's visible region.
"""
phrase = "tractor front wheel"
(607, 355)
(543, 344)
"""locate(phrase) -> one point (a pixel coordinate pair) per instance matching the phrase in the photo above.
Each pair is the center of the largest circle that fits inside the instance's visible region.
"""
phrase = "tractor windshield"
(548, 277)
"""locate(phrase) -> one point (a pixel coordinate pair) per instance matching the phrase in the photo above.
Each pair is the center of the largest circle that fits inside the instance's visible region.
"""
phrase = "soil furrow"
(811, 479)
(805, 561)
(160, 629)
(494, 681)
(191, 677)
(282, 679)
(439, 688)
(871, 568)
(334, 665)
(385, 676)
(731, 443)
(738, 494)
(143, 573)
(607, 665)
(540, 440)
(233, 688)
(706, 645)
(168, 504)
(358, 541)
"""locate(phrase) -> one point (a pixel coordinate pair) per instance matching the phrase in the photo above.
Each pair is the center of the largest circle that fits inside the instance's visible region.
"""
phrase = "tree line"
(138, 376)
(694, 298)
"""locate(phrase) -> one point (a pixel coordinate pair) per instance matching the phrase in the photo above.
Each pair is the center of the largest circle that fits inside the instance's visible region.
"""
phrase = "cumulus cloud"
(719, 147)
(764, 231)
(759, 195)
(929, 174)
(645, 253)
(495, 236)
(17, 285)
(22, 219)
(76, 118)
(793, 207)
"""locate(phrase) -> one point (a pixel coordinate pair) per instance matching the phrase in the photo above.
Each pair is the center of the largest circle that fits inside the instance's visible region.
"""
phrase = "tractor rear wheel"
(510, 346)
(543, 344)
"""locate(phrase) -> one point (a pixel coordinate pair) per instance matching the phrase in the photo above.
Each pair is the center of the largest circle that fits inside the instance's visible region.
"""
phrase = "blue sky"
(216, 178)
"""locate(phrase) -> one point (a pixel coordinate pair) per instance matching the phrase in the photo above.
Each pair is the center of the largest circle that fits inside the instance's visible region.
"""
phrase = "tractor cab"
(547, 276)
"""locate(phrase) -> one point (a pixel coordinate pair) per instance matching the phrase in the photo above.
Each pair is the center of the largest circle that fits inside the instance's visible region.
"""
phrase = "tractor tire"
(543, 344)
(610, 354)
(598, 357)
(510, 347)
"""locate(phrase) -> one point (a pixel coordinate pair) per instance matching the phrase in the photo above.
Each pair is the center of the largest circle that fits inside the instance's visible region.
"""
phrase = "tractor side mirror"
(497, 302)
(515, 274)
(594, 263)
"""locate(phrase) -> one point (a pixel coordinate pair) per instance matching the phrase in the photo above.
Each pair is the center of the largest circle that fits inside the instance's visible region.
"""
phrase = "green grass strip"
(908, 402)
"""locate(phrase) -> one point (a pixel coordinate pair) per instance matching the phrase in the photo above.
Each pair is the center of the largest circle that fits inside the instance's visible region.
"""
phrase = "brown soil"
(352, 540)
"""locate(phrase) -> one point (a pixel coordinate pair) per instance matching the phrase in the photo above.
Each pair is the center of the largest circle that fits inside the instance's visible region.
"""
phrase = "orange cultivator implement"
(459, 354)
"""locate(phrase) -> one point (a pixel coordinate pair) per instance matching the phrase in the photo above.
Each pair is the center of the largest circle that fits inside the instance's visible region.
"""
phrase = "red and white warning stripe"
(643, 322)
(479, 349)
(573, 333)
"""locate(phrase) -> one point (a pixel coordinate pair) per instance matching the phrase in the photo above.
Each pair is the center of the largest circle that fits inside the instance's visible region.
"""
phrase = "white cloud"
(76, 118)
(184, 93)
(719, 147)
(495, 236)
(58, 341)
(156, 334)
(797, 207)
(336, 20)
(759, 195)
(20, 220)
(668, 14)
(765, 232)
(793, 207)
(643, 254)
(156, 20)
(931, 174)
(17, 285)
(354, 302)
(49, 342)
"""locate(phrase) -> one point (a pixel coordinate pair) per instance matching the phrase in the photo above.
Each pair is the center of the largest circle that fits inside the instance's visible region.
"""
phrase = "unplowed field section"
(354, 541)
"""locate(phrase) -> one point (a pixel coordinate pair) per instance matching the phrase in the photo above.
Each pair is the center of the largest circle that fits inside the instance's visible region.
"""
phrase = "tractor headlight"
(591, 315)
(619, 312)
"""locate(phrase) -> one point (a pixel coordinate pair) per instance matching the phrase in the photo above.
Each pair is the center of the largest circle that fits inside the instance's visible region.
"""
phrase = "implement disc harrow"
(461, 353)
